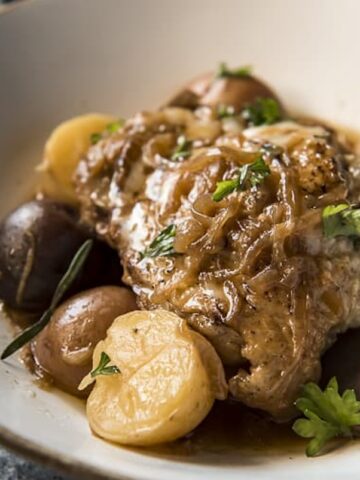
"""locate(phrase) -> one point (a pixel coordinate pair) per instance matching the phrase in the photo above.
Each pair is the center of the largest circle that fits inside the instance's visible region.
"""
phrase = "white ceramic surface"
(59, 58)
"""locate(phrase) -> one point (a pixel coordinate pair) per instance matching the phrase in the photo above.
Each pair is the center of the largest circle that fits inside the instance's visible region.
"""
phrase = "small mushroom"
(211, 90)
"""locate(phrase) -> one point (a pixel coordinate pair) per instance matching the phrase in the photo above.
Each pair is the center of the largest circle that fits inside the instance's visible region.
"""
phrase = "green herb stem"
(64, 284)
(103, 369)
(263, 111)
(240, 72)
(162, 245)
(249, 175)
(182, 150)
(341, 220)
(327, 415)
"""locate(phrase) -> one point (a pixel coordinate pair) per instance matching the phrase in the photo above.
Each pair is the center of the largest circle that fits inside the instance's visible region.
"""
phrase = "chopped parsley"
(163, 244)
(263, 111)
(110, 128)
(182, 150)
(225, 111)
(103, 369)
(95, 138)
(341, 219)
(328, 415)
(249, 175)
(225, 72)
(115, 126)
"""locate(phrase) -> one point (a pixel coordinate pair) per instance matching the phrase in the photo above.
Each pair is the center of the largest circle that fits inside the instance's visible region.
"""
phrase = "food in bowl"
(236, 227)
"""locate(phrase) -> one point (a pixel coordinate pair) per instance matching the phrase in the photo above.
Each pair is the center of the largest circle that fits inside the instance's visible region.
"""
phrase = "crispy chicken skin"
(253, 272)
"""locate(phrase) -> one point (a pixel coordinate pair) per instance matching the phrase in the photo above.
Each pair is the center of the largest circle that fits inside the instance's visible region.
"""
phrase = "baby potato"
(63, 150)
(37, 243)
(65, 347)
(166, 380)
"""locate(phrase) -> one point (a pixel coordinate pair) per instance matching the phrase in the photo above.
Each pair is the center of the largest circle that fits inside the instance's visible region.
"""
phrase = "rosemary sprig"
(65, 283)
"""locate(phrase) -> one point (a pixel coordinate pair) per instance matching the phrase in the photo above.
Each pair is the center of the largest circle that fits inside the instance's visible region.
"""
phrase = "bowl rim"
(49, 458)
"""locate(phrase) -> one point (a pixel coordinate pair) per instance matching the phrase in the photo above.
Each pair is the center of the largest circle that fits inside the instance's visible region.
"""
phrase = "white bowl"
(60, 58)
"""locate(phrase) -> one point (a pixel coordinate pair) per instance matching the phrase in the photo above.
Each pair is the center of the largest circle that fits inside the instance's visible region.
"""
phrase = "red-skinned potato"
(37, 243)
(64, 348)
(214, 91)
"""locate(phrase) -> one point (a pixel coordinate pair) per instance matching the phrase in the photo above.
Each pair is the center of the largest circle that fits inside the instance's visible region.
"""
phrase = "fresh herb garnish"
(183, 149)
(64, 284)
(251, 174)
(225, 72)
(95, 138)
(263, 111)
(103, 369)
(163, 245)
(328, 415)
(341, 219)
(115, 126)
(110, 128)
(225, 111)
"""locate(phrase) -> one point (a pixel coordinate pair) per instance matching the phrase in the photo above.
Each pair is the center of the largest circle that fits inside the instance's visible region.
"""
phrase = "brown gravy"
(232, 429)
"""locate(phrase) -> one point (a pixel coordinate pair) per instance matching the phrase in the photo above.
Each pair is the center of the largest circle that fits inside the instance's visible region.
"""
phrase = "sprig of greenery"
(95, 138)
(240, 72)
(182, 150)
(162, 245)
(110, 128)
(263, 111)
(251, 174)
(64, 284)
(328, 415)
(225, 111)
(103, 369)
(341, 219)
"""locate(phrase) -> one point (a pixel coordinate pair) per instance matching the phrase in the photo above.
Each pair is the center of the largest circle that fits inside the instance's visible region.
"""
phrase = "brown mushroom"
(236, 92)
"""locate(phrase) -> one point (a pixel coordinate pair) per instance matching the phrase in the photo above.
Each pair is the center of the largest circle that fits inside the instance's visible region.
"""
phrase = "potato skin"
(37, 243)
(64, 348)
(235, 92)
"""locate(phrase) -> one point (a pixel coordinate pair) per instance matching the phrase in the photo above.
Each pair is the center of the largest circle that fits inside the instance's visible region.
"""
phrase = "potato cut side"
(63, 150)
(164, 389)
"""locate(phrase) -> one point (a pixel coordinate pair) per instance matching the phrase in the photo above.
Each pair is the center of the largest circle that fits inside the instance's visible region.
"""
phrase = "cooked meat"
(253, 272)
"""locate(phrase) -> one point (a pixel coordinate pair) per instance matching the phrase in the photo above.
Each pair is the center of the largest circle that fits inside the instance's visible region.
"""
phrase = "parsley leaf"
(110, 128)
(115, 126)
(263, 111)
(328, 415)
(183, 149)
(225, 72)
(103, 369)
(163, 245)
(225, 111)
(341, 219)
(95, 138)
(251, 174)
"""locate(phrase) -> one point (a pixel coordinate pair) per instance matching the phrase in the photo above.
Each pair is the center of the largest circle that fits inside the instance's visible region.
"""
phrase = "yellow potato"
(168, 381)
(63, 150)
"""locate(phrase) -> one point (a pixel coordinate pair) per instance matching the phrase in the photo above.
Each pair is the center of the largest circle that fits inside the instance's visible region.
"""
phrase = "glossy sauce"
(233, 429)
(230, 427)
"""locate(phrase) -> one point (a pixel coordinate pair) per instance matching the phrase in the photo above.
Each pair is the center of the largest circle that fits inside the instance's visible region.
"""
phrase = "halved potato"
(64, 148)
(168, 381)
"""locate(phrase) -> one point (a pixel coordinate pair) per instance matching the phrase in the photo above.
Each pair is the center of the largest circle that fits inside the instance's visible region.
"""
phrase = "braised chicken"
(251, 270)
